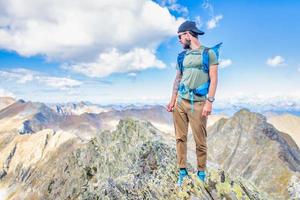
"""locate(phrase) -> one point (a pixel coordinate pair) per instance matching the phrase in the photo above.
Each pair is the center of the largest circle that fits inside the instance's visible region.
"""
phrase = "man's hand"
(207, 108)
(177, 80)
(170, 106)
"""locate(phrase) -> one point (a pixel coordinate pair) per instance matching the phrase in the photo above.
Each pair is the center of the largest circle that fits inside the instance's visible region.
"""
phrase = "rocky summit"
(131, 162)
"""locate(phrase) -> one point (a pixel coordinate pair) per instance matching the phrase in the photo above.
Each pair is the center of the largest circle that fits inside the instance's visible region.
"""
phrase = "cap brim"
(198, 32)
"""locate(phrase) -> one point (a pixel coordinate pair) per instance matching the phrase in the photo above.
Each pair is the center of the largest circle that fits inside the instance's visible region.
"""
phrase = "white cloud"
(132, 74)
(179, 8)
(19, 75)
(212, 23)
(166, 2)
(174, 6)
(225, 63)
(23, 76)
(58, 82)
(259, 102)
(115, 61)
(79, 31)
(276, 61)
(198, 21)
(173, 65)
(208, 6)
(299, 69)
(4, 93)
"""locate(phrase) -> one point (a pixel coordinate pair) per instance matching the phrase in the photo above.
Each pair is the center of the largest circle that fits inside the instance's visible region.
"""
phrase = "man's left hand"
(207, 109)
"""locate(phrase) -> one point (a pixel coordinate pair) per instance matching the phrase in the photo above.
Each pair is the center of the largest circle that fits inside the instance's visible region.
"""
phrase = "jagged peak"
(245, 112)
(21, 101)
(255, 126)
(136, 130)
(132, 122)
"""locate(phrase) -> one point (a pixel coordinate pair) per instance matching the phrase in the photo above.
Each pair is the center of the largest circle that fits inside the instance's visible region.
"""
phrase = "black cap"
(189, 26)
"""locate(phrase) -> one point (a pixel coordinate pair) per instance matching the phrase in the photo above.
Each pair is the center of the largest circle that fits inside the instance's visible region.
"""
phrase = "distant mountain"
(245, 145)
(31, 117)
(6, 101)
(78, 108)
(289, 124)
(212, 119)
(81, 119)
(34, 116)
(153, 114)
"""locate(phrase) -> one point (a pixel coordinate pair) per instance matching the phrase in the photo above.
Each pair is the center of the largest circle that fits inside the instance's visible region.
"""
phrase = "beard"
(187, 44)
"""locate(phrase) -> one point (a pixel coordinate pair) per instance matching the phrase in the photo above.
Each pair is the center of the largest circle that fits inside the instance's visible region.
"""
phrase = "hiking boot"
(182, 174)
(201, 175)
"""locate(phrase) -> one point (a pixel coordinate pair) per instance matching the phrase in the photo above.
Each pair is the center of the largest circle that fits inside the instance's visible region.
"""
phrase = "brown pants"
(182, 115)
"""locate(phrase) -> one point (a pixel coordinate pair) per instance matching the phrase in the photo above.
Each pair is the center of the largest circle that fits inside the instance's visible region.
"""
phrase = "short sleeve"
(213, 60)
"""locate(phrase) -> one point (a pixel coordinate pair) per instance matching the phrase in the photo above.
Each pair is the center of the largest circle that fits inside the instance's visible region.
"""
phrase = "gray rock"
(246, 146)
(131, 162)
(25, 128)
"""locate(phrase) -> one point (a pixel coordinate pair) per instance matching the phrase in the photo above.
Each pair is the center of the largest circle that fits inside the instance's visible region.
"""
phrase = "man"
(187, 105)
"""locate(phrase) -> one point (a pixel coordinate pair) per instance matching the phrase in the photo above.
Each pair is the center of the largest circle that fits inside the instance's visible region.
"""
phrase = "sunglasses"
(179, 36)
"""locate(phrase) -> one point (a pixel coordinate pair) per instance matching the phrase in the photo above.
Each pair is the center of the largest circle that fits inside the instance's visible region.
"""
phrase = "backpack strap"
(205, 60)
(203, 89)
(205, 57)
(216, 49)
(180, 59)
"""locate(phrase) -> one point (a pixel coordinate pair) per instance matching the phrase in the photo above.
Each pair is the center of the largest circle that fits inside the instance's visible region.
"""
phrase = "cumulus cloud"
(115, 61)
(174, 6)
(276, 61)
(198, 21)
(225, 63)
(80, 31)
(59, 82)
(212, 23)
(179, 8)
(22, 76)
(5, 93)
(208, 6)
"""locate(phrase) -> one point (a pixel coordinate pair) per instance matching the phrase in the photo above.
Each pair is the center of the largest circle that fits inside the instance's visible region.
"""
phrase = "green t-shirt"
(193, 75)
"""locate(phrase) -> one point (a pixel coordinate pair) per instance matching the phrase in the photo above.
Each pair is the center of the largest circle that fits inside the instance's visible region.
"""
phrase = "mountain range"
(87, 151)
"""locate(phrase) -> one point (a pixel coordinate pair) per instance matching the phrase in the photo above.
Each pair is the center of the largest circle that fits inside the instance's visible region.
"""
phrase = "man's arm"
(213, 75)
(176, 85)
(175, 91)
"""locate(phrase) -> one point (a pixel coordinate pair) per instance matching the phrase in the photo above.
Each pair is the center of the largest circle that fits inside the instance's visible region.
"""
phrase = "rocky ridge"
(131, 162)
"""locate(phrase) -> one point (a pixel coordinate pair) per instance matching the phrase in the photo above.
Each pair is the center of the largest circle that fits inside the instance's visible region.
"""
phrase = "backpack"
(201, 90)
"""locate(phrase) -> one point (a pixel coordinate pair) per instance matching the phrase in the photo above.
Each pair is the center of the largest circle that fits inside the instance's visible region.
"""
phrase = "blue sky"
(125, 52)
